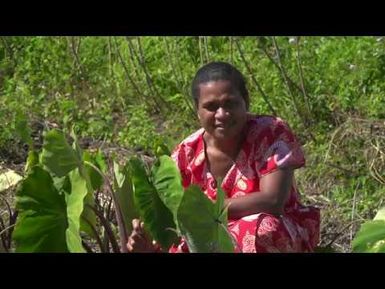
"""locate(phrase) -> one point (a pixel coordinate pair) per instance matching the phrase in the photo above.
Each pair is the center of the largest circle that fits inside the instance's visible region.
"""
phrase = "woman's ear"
(199, 117)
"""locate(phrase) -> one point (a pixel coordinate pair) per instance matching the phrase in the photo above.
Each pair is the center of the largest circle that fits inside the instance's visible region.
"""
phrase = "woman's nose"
(221, 113)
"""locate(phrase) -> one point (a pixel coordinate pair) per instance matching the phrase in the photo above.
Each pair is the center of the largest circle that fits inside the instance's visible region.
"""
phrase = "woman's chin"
(222, 134)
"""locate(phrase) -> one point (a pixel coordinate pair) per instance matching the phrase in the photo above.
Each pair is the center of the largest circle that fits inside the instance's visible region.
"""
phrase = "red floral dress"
(268, 146)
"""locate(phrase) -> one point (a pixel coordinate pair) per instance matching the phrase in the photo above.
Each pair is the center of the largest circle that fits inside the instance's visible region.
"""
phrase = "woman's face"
(221, 109)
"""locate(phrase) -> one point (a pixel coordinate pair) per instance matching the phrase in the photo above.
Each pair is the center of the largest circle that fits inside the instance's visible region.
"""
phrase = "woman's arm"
(274, 191)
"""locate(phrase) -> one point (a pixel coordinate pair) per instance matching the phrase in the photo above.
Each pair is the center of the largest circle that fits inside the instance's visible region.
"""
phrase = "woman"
(255, 157)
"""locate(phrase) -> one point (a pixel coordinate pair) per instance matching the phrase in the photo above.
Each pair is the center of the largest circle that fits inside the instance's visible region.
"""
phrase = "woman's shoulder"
(192, 138)
(267, 128)
(185, 152)
(190, 145)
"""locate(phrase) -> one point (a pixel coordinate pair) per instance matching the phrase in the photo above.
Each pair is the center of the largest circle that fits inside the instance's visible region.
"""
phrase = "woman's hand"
(139, 240)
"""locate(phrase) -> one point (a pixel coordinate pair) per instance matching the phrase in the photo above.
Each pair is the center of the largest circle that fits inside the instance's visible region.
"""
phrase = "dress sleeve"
(283, 149)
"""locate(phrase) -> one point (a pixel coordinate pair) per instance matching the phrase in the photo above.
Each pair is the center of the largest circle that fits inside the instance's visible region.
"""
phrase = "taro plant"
(371, 236)
(170, 211)
(60, 203)
(53, 197)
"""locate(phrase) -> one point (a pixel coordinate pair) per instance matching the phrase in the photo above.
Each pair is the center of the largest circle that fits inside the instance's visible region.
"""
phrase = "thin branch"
(377, 148)
(283, 71)
(205, 42)
(178, 81)
(373, 171)
(200, 49)
(296, 106)
(142, 62)
(340, 233)
(140, 59)
(88, 248)
(127, 73)
(149, 80)
(107, 227)
(353, 211)
(118, 212)
(302, 81)
(3, 240)
(188, 93)
(8, 49)
(109, 215)
(12, 221)
(111, 72)
(231, 48)
(334, 135)
(349, 172)
(98, 240)
(101, 205)
(7, 205)
(279, 69)
(6, 229)
(75, 53)
(264, 96)
(132, 56)
(109, 45)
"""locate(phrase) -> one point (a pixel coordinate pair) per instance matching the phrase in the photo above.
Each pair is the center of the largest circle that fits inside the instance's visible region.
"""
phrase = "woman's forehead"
(209, 95)
(217, 86)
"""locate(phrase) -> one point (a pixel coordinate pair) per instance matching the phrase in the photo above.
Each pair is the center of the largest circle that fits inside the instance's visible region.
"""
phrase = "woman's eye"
(231, 104)
(212, 107)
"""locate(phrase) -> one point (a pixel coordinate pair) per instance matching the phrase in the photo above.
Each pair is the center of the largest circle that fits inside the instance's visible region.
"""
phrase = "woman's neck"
(229, 147)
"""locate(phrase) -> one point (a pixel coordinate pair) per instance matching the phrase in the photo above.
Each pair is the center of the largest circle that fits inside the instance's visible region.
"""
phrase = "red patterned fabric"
(269, 145)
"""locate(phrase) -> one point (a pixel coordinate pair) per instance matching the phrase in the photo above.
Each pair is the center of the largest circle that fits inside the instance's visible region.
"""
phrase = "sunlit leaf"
(200, 225)
(57, 154)
(156, 216)
(125, 196)
(42, 221)
(370, 237)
